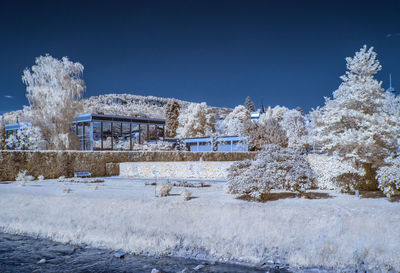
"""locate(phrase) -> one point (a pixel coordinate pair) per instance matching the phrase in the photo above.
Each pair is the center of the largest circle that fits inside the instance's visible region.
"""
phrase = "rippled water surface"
(28, 254)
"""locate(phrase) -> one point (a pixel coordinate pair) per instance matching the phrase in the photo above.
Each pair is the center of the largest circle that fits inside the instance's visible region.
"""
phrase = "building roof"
(209, 139)
(17, 126)
(92, 117)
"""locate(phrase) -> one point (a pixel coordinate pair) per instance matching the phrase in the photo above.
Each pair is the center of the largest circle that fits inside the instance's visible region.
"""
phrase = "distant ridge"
(136, 105)
(125, 105)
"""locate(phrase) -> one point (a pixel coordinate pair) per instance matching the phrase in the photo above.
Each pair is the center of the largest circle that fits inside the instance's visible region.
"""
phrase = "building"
(219, 144)
(14, 127)
(106, 132)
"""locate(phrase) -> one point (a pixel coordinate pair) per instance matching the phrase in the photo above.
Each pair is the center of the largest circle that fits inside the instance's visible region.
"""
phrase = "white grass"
(122, 214)
(24, 176)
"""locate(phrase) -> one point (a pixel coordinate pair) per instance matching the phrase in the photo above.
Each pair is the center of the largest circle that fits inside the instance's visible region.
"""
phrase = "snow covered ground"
(330, 230)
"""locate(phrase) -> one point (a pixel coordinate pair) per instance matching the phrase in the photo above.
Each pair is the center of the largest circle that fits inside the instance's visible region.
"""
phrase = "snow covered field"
(330, 230)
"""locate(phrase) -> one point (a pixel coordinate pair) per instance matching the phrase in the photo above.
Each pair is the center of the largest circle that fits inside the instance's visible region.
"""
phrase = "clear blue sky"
(280, 52)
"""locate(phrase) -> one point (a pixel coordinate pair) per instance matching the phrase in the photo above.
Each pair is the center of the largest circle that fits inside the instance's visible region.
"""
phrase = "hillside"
(135, 105)
(124, 105)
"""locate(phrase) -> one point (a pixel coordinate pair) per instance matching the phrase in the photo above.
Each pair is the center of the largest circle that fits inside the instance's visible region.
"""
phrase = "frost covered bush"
(389, 176)
(264, 133)
(275, 168)
(24, 176)
(328, 169)
(181, 145)
(26, 138)
(146, 146)
(276, 113)
(80, 180)
(235, 122)
(196, 121)
(159, 146)
(358, 124)
(293, 122)
(163, 190)
(186, 194)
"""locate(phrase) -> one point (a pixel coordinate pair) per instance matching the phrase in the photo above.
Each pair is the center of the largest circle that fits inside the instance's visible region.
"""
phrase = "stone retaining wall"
(53, 164)
(214, 170)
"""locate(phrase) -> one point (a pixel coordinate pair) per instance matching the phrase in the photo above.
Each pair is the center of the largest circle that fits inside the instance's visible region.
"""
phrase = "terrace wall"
(53, 164)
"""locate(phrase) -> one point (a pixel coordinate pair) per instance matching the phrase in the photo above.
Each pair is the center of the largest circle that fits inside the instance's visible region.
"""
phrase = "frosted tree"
(26, 138)
(263, 133)
(293, 122)
(275, 168)
(54, 88)
(276, 113)
(249, 104)
(171, 118)
(195, 121)
(234, 123)
(356, 124)
(388, 176)
(2, 134)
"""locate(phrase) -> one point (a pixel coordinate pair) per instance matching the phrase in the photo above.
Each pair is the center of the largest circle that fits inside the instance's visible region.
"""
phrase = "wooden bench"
(82, 174)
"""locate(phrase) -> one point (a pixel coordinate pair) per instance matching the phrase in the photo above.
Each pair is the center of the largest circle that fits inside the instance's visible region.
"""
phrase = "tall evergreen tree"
(249, 104)
(2, 134)
(171, 117)
(356, 125)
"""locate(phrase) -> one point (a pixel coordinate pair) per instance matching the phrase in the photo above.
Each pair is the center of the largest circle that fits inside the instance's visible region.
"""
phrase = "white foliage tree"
(26, 138)
(263, 133)
(54, 88)
(293, 122)
(235, 121)
(356, 124)
(195, 121)
(276, 113)
(389, 176)
(328, 169)
(275, 168)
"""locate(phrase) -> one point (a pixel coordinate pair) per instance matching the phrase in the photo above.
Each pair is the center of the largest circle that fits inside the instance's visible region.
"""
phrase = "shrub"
(265, 133)
(235, 122)
(275, 168)
(23, 176)
(332, 173)
(187, 195)
(163, 190)
(389, 176)
(196, 121)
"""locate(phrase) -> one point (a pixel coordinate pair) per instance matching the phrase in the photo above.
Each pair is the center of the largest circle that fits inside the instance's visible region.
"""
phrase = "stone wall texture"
(213, 170)
(53, 164)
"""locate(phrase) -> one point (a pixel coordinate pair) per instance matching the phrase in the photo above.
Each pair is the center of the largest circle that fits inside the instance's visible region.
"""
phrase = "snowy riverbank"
(331, 230)
(30, 254)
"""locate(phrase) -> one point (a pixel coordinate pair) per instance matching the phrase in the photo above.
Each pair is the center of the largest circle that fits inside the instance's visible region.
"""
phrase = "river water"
(30, 254)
